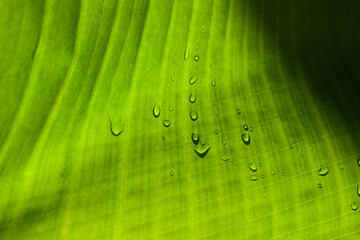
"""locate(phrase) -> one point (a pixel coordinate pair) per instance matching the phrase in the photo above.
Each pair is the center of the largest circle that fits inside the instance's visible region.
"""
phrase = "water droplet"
(301, 155)
(216, 132)
(192, 97)
(192, 80)
(163, 137)
(253, 167)
(260, 164)
(167, 123)
(172, 78)
(186, 54)
(263, 176)
(341, 166)
(250, 129)
(253, 177)
(195, 138)
(210, 66)
(202, 149)
(323, 171)
(225, 158)
(202, 31)
(61, 174)
(354, 206)
(246, 127)
(200, 74)
(283, 173)
(171, 108)
(197, 47)
(171, 173)
(273, 173)
(238, 111)
(358, 189)
(311, 148)
(358, 161)
(112, 131)
(213, 83)
(319, 185)
(193, 115)
(139, 129)
(224, 141)
(190, 71)
(156, 110)
(196, 58)
(291, 146)
(246, 138)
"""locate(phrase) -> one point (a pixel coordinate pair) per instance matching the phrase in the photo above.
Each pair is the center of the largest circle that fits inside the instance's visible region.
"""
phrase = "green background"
(69, 67)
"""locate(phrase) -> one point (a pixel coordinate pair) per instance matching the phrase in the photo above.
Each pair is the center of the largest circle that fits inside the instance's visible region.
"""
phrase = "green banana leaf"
(179, 119)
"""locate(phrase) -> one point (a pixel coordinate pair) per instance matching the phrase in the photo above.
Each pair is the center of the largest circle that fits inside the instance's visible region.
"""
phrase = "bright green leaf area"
(275, 105)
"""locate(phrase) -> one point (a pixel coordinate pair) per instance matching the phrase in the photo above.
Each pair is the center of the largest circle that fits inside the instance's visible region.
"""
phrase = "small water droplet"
(163, 137)
(291, 146)
(202, 149)
(192, 80)
(190, 71)
(213, 83)
(246, 138)
(200, 74)
(301, 155)
(225, 157)
(253, 167)
(283, 173)
(253, 177)
(216, 132)
(341, 166)
(250, 129)
(354, 206)
(260, 164)
(224, 141)
(238, 111)
(311, 148)
(358, 189)
(170, 109)
(195, 138)
(273, 173)
(192, 97)
(61, 174)
(156, 110)
(139, 129)
(323, 171)
(263, 176)
(193, 115)
(167, 123)
(171, 173)
(196, 58)
(210, 66)
(172, 78)
(186, 54)
(114, 133)
(202, 31)
(197, 47)
(358, 161)
(246, 127)
(319, 185)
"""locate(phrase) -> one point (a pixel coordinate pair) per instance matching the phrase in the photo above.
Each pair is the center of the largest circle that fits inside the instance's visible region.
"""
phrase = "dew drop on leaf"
(319, 185)
(238, 111)
(193, 115)
(167, 123)
(156, 110)
(195, 138)
(202, 149)
(192, 97)
(192, 80)
(213, 83)
(171, 173)
(186, 54)
(253, 177)
(196, 58)
(354, 206)
(246, 138)
(323, 171)
(246, 127)
(253, 167)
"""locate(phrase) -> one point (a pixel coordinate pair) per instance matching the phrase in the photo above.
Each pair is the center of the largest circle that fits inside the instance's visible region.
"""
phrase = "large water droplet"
(186, 54)
(115, 133)
(354, 206)
(196, 58)
(213, 83)
(192, 80)
(323, 171)
(358, 189)
(238, 111)
(193, 115)
(156, 110)
(195, 138)
(358, 162)
(167, 123)
(253, 167)
(246, 138)
(246, 127)
(253, 177)
(202, 149)
(192, 97)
